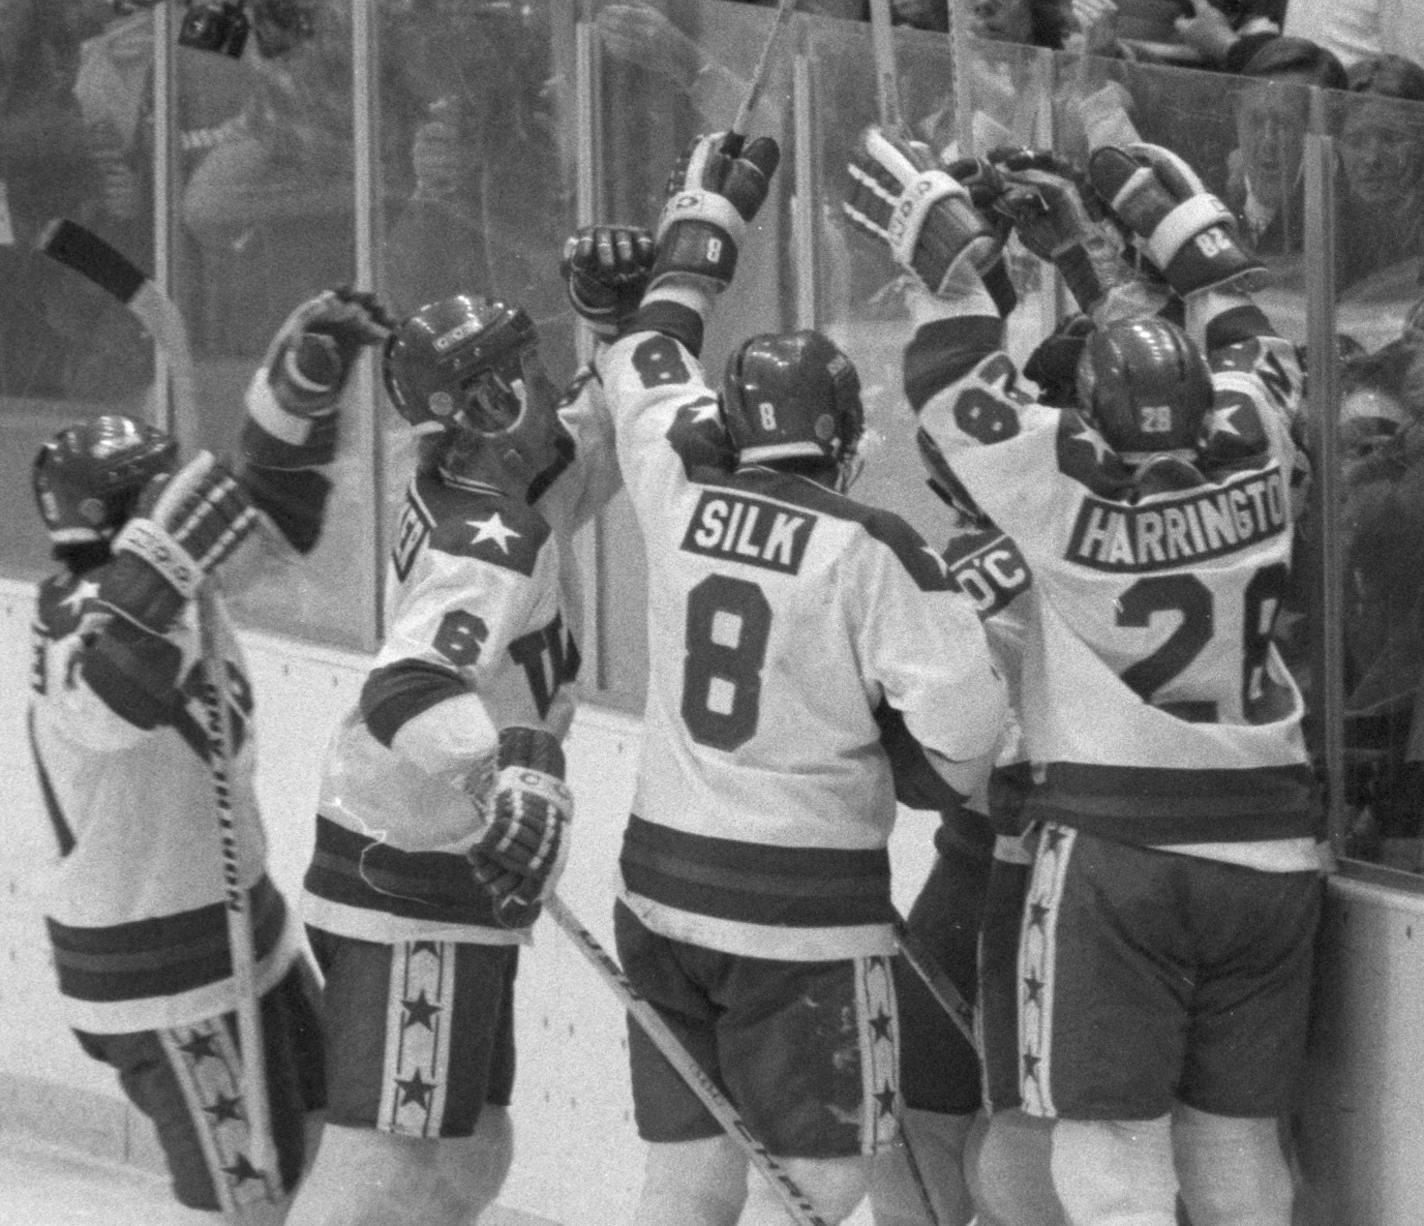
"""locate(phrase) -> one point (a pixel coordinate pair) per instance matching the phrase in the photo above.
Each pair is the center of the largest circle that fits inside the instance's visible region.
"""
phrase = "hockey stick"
(887, 76)
(84, 252)
(940, 985)
(737, 133)
(794, 1200)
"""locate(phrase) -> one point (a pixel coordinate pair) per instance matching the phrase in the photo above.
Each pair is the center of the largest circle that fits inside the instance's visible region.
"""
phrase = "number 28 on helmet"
(1147, 388)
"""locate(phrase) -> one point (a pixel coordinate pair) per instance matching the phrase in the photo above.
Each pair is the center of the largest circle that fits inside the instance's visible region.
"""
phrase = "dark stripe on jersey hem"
(1163, 806)
(395, 694)
(162, 956)
(944, 351)
(359, 871)
(753, 883)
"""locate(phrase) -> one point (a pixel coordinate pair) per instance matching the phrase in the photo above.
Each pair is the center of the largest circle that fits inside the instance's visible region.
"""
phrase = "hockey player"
(755, 910)
(966, 911)
(443, 812)
(136, 903)
(1165, 957)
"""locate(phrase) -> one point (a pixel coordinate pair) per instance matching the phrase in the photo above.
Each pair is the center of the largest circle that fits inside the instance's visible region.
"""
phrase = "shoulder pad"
(926, 567)
(482, 523)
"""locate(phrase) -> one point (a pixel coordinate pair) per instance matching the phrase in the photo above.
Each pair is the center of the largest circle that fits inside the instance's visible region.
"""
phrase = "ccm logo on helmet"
(466, 328)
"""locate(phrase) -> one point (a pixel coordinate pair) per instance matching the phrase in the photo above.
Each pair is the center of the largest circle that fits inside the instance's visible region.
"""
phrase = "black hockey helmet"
(1146, 386)
(88, 477)
(792, 397)
(459, 361)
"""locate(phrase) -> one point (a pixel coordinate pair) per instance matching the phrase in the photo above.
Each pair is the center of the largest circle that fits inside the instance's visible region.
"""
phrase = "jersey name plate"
(1194, 526)
(740, 528)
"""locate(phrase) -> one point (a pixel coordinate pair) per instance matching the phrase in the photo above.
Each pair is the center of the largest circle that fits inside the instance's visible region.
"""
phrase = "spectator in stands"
(1381, 146)
(272, 206)
(490, 198)
(1356, 29)
(44, 171)
(1263, 180)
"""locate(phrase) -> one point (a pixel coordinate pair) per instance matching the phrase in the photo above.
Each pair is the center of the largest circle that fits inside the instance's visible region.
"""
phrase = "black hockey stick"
(717, 1104)
(737, 133)
(84, 252)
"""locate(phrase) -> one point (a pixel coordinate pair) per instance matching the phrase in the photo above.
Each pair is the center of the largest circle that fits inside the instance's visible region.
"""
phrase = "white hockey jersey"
(135, 903)
(484, 606)
(1154, 701)
(780, 617)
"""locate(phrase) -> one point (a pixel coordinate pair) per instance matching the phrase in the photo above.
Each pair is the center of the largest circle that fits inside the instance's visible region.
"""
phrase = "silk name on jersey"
(742, 528)
(1190, 527)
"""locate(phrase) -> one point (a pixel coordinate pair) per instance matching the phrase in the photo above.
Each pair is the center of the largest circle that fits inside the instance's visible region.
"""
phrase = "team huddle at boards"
(1101, 717)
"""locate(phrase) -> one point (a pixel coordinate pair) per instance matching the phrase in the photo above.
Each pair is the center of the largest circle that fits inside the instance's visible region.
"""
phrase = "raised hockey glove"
(520, 854)
(312, 354)
(902, 197)
(1052, 222)
(606, 270)
(201, 514)
(713, 193)
(1185, 231)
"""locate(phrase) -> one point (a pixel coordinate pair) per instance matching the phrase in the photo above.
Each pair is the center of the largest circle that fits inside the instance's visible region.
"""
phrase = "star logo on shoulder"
(1094, 440)
(82, 592)
(492, 528)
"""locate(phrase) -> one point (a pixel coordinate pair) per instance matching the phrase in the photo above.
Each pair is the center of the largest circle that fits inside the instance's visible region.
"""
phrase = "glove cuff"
(1175, 232)
(152, 544)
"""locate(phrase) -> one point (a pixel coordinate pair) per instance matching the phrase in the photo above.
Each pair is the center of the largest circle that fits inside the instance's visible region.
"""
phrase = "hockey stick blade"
(98, 261)
(737, 133)
(89, 255)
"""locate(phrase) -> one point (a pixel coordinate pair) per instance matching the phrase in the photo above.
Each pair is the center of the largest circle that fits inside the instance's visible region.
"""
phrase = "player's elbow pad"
(134, 673)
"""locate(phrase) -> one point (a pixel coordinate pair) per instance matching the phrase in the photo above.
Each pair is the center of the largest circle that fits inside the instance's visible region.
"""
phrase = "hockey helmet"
(1146, 386)
(793, 396)
(88, 477)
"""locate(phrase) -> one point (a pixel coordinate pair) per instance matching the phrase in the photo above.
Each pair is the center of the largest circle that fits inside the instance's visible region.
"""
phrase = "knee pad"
(1115, 1172)
(835, 1186)
(1233, 1171)
(693, 1183)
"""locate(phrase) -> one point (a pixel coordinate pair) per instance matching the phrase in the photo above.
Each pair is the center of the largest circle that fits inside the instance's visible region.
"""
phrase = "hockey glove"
(161, 558)
(292, 399)
(899, 195)
(1052, 222)
(1185, 231)
(606, 270)
(713, 194)
(519, 857)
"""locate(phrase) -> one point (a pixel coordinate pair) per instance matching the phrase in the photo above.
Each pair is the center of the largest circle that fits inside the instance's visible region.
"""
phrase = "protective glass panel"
(1379, 257)
(265, 205)
(75, 141)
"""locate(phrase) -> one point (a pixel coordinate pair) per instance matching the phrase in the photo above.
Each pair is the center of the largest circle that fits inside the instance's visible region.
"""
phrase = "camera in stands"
(221, 27)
